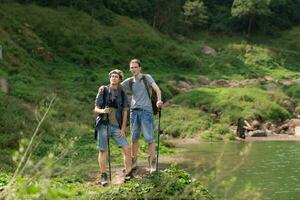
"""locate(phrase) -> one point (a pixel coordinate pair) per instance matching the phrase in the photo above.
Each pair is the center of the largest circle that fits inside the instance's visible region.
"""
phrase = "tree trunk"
(250, 25)
(154, 22)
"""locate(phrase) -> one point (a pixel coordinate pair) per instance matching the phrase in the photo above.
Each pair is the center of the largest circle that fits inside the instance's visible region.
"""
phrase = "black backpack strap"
(146, 86)
(123, 97)
(105, 91)
(130, 83)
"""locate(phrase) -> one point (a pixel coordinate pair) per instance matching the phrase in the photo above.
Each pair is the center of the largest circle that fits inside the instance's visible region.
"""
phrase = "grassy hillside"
(68, 53)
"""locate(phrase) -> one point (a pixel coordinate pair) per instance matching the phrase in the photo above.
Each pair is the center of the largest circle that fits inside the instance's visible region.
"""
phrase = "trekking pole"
(158, 137)
(211, 124)
(108, 147)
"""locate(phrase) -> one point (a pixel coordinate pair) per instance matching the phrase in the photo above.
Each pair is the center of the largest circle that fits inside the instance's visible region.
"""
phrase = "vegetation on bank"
(215, 109)
(169, 183)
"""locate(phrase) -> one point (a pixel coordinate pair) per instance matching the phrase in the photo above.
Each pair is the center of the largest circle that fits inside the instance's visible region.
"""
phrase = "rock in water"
(297, 130)
(258, 133)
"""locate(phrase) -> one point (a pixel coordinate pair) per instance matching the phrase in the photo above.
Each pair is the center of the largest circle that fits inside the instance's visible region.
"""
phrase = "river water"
(245, 170)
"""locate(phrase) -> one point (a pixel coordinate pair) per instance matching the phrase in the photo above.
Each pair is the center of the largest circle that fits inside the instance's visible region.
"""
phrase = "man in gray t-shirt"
(140, 98)
(141, 114)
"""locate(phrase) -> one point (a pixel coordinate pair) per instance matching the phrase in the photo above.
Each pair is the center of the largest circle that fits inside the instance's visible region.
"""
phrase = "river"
(245, 170)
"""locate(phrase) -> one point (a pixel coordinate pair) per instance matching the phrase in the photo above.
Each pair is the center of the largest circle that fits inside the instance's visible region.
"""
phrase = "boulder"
(184, 85)
(208, 50)
(274, 129)
(255, 124)
(4, 85)
(258, 133)
(221, 82)
(297, 130)
(294, 122)
(289, 126)
(203, 80)
(297, 81)
(234, 83)
(289, 82)
(289, 105)
(270, 86)
(268, 78)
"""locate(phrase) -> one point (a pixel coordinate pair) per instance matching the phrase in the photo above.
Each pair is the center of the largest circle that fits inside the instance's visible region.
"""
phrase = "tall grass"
(232, 103)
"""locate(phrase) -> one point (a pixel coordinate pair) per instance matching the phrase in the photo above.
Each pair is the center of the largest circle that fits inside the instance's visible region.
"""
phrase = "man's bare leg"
(151, 158)
(134, 151)
(127, 158)
(102, 161)
(102, 166)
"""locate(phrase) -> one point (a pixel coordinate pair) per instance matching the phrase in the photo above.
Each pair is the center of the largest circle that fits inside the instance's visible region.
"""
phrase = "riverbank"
(175, 142)
(279, 137)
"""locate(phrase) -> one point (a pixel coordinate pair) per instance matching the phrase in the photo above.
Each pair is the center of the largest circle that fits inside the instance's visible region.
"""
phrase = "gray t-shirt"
(140, 98)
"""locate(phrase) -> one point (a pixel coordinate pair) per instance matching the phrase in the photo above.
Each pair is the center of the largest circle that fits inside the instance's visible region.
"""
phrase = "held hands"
(122, 133)
(106, 110)
(159, 104)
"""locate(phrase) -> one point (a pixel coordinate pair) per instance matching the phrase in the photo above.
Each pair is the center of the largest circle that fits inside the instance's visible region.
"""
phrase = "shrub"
(183, 122)
(292, 91)
(232, 103)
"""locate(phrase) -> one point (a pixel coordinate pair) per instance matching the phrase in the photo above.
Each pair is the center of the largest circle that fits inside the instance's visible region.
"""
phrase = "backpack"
(105, 96)
(153, 97)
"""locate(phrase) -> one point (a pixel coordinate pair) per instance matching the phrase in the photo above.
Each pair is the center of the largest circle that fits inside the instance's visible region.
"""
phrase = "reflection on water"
(252, 170)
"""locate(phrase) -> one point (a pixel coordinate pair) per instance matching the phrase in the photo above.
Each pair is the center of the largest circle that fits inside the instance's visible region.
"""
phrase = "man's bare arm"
(159, 102)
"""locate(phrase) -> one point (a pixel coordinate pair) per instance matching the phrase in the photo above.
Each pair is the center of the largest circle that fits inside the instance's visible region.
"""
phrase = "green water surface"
(246, 170)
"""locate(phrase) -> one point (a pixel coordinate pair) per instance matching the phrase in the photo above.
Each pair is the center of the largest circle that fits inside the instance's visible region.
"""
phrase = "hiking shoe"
(152, 164)
(134, 164)
(128, 176)
(104, 179)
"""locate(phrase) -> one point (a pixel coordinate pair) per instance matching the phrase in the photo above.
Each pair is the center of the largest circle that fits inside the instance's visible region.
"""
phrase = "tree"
(195, 13)
(285, 13)
(250, 10)
(165, 14)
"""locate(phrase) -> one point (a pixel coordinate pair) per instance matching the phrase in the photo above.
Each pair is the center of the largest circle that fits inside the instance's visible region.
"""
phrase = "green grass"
(293, 91)
(232, 103)
(210, 111)
(179, 121)
(170, 183)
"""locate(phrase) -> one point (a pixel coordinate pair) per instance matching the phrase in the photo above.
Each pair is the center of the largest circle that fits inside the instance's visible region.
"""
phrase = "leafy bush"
(220, 129)
(233, 103)
(4, 179)
(183, 122)
(292, 91)
(168, 91)
(211, 137)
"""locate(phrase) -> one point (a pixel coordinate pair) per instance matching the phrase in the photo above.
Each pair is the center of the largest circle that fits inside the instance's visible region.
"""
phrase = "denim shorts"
(113, 133)
(142, 121)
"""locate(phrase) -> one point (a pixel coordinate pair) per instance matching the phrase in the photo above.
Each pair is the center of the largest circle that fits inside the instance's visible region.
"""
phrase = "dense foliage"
(171, 16)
